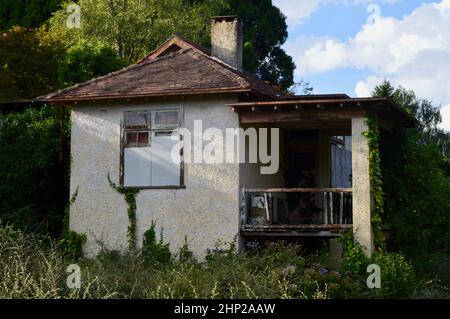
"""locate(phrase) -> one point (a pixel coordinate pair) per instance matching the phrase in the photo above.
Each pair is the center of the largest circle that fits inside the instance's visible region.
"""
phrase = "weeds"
(35, 267)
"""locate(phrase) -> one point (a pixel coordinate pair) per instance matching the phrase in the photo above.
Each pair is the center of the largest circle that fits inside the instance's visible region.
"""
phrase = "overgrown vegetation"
(155, 252)
(376, 178)
(84, 61)
(354, 259)
(398, 277)
(416, 188)
(416, 182)
(33, 267)
(419, 197)
(71, 243)
(34, 181)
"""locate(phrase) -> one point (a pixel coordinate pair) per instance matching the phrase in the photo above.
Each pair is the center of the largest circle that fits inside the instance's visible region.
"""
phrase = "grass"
(33, 266)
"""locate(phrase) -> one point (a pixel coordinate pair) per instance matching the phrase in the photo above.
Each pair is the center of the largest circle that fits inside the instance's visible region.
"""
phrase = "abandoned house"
(123, 125)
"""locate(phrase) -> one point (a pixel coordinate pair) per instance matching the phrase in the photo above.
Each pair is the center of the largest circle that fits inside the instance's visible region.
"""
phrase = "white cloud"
(445, 112)
(297, 11)
(413, 52)
(325, 55)
(365, 88)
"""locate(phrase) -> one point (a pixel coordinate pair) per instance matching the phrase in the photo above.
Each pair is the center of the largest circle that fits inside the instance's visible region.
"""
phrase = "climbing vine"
(71, 242)
(373, 137)
(355, 261)
(130, 198)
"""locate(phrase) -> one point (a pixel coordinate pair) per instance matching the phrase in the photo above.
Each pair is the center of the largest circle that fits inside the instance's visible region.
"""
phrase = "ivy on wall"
(130, 198)
(376, 181)
(71, 242)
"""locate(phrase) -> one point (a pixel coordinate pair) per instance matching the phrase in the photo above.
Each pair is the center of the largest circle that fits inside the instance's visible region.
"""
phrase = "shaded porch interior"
(311, 193)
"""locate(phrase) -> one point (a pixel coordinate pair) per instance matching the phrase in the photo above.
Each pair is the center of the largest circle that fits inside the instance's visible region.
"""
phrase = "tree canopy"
(85, 61)
(415, 179)
(133, 28)
(28, 63)
(26, 13)
(265, 31)
(428, 114)
(34, 63)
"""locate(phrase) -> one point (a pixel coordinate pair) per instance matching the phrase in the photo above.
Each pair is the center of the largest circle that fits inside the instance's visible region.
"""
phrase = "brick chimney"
(227, 40)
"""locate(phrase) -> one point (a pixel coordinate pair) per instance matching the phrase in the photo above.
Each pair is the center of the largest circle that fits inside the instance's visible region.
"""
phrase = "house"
(138, 127)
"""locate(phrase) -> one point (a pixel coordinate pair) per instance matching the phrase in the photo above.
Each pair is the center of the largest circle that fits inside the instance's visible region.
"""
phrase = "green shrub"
(185, 254)
(280, 254)
(71, 244)
(355, 261)
(33, 188)
(319, 282)
(153, 251)
(438, 264)
(418, 195)
(398, 279)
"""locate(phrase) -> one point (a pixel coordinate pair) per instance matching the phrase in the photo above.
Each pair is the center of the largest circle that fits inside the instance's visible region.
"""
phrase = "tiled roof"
(180, 70)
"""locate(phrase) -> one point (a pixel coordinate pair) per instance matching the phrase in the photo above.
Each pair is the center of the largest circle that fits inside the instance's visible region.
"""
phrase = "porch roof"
(323, 107)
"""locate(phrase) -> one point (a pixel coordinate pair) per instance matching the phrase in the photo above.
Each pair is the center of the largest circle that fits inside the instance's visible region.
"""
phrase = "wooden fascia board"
(298, 116)
(144, 96)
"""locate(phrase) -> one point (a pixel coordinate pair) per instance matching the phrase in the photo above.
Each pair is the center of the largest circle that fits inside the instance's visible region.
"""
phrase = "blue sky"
(349, 46)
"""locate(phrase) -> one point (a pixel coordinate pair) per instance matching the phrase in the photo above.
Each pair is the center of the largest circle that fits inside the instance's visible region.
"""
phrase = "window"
(147, 149)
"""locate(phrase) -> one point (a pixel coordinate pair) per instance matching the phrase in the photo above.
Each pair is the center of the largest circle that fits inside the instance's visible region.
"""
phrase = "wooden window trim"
(123, 131)
(155, 187)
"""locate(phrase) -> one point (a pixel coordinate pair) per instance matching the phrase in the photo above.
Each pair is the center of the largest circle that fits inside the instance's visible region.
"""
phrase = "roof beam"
(252, 117)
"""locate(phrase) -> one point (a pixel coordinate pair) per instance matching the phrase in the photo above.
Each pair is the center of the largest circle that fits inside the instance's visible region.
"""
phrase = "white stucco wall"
(206, 211)
(362, 199)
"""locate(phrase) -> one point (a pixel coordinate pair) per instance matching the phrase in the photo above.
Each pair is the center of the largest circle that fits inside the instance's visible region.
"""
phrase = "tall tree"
(424, 110)
(415, 181)
(28, 63)
(25, 13)
(85, 61)
(135, 27)
(265, 31)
